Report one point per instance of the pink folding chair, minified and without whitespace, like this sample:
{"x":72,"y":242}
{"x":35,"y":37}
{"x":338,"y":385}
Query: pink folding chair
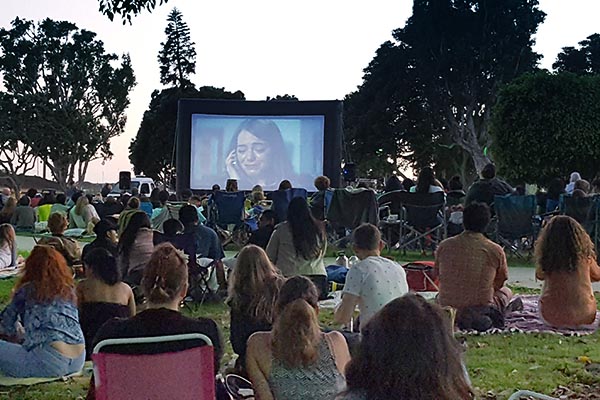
{"x":183,"y":375}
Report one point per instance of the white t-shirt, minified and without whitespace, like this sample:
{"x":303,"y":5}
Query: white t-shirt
{"x":376,"y":281}
{"x":5,"y":256}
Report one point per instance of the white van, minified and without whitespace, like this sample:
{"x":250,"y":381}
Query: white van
{"x":143,"y":184}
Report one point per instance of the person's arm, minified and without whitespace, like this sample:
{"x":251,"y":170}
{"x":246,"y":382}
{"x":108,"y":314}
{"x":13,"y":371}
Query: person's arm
{"x":539,"y":273}
{"x":10,"y":315}
{"x":594,"y":270}
{"x":339,"y":348}
{"x":258,"y":376}
{"x":14,"y":254}
{"x":345,"y":310}
{"x":502,"y":272}
{"x":273,"y":247}
{"x":130,"y":300}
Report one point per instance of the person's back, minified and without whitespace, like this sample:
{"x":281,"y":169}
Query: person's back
{"x":484,"y":190}
{"x":23,"y":218}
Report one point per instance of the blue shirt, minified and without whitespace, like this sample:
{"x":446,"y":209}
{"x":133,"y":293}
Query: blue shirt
{"x":207,"y":243}
{"x":44,"y":323}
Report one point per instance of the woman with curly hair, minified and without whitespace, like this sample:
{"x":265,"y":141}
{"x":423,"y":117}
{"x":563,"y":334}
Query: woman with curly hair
{"x":296,"y":361}
{"x":407,"y":352}
{"x":44,"y":304}
{"x":253,"y":290}
{"x":566,"y":262}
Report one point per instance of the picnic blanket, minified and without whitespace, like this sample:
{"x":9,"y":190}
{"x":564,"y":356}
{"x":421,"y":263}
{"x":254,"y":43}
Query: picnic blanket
{"x":7,"y":273}
{"x":10,"y":381}
{"x":529,"y":320}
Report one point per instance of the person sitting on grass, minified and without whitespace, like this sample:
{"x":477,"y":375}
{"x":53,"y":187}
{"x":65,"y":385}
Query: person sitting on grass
{"x":102,"y":295}
{"x":135,"y":245}
{"x":408,"y":352}
{"x":106,"y":238}
{"x":253,"y":290}
{"x":42,"y":316}
{"x":68,"y":247}
{"x":23,"y":219}
{"x":266,"y":226}
{"x":8,"y":247}
{"x":472,"y":272}
{"x":566,"y":262}
{"x":296,"y":361}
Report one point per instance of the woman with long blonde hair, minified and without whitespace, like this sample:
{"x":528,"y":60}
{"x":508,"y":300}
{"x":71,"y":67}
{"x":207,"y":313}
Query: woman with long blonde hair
{"x":253,"y":292}
{"x":8,"y":246}
{"x":296,"y":360}
{"x":566,"y":262}
{"x":44,"y":303}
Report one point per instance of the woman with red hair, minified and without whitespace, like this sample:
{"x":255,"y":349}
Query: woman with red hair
{"x":42,"y":319}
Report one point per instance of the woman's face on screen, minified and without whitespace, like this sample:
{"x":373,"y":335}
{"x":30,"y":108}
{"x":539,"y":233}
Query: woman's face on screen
{"x":253,"y":154}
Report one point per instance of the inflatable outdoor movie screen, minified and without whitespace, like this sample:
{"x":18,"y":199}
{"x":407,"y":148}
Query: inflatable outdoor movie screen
{"x":257,"y":143}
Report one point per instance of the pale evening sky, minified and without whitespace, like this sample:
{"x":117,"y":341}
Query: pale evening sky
{"x":313,"y":49}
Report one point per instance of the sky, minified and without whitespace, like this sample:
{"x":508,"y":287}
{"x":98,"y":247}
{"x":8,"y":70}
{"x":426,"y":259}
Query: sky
{"x":313,"y":49}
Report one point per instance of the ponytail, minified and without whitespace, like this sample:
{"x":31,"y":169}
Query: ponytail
{"x":165,"y":274}
{"x":296,"y":335}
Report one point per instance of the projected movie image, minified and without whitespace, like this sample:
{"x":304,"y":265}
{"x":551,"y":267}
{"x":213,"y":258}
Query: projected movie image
{"x":256,"y":150}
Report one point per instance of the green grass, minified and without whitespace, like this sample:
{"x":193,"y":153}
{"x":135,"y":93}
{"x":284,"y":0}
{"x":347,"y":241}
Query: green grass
{"x":498,"y":364}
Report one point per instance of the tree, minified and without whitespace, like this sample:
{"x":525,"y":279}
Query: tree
{"x":584,"y":60}
{"x":70,"y":95}
{"x":127,"y":8}
{"x":152,"y":150}
{"x":177,"y":56}
{"x":285,"y":97}
{"x":434,"y":85}
{"x":547,"y":125}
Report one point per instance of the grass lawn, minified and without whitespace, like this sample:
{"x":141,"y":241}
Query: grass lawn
{"x":498,"y":364}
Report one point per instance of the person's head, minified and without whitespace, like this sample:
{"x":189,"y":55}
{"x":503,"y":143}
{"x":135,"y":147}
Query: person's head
{"x":25,"y":201}
{"x":596,"y":186}
{"x":455,"y":183}
{"x":231,"y":185}
{"x":556,"y":187}
{"x":188,"y":216}
{"x":563,"y":245}
{"x":322,"y":183}
{"x":476,"y":217}
{"x":196,"y":201}
{"x":61,"y":198}
{"x":254,"y":285}
{"x":407,"y":351}
{"x":215,"y":188}
{"x":75,"y":196}
{"x":488,"y":171}
{"x":103,"y":266}
{"x":82,"y":203}
{"x":284,"y":185}
{"x":308,"y":234}
{"x":267,"y":218}
{"x":163,"y":196}
{"x":172,"y":227}
{"x":106,"y":229}
{"x":136,"y":220}
{"x":133,"y":203}
{"x":296,"y":332}
{"x":7,"y":235}
{"x":186,"y":194}
{"x":425,"y":180}
{"x":47,"y":271}
{"x":259,"y":150}
{"x":392,"y":183}
{"x":31,"y":192}
{"x":47,"y":199}
{"x":165,"y":279}
{"x":407,"y":184}
{"x":574,"y":177}
{"x":366,"y":241}
{"x":57,"y":223}
{"x":582,"y":185}
{"x":9,"y":206}
{"x":5,"y":191}
{"x":578,"y":194}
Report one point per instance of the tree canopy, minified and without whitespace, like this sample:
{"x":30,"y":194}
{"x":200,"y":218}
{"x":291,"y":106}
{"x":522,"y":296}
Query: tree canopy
{"x":582,"y":60}
{"x":152,"y":150}
{"x":547,"y":125}
{"x":431,"y":89}
{"x":127,"y":8}
{"x":67,"y":95}
{"x":177,"y":56}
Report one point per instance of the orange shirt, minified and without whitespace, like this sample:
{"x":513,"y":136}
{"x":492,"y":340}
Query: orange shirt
{"x":567,"y":298}
{"x":471,"y":268}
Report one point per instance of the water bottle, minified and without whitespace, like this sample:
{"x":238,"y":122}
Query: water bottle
{"x":342,"y":259}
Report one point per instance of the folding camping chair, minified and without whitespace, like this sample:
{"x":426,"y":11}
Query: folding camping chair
{"x":238,"y":387}
{"x":516,"y":223}
{"x":584,"y":210}
{"x":422,"y":276}
{"x":182,"y":375}
{"x":348,"y":209}
{"x":281,"y":201}
{"x":227,"y":215}
{"x":423,"y":219}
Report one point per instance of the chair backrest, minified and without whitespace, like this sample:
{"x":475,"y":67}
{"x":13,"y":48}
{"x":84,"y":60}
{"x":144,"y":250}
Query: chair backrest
{"x":182,"y":375}
{"x":230,"y":207}
{"x":515,"y":215}
{"x":581,"y":209}
{"x":281,"y":201}
{"x":423,"y":210}
{"x":393,"y":200}
{"x":351,"y":207}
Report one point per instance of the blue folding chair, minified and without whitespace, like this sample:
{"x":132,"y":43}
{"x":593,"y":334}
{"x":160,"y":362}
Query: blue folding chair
{"x":228,"y":208}
{"x":516,"y":223}
{"x":281,"y":200}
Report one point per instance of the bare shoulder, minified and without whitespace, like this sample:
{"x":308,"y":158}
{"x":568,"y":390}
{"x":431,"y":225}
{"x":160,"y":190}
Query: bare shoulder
{"x":335,"y":337}
{"x":260,"y":340}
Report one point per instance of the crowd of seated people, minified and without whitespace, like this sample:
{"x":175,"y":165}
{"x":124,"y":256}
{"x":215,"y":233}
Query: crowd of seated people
{"x":406,"y":349}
